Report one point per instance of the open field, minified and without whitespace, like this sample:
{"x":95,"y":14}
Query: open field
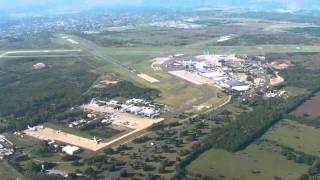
{"x":43,"y":41}
{"x":214,"y":102}
{"x":66,"y":129}
{"x":25,"y":142}
{"x":9,"y":173}
{"x":295,"y":91}
{"x":261,"y":161}
{"x":191,"y":77}
{"x":310,"y":108}
{"x":104,"y":133}
{"x":297,"y":136}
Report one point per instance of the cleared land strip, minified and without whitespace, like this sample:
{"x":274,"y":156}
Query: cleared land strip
{"x":36,"y":52}
{"x":43,"y":56}
{"x":99,"y":53}
{"x":191,"y":77}
{"x":52,"y":134}
{"x":148,"y":78}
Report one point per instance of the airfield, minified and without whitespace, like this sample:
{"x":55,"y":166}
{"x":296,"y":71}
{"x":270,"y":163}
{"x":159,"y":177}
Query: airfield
{"x":183,"y":92}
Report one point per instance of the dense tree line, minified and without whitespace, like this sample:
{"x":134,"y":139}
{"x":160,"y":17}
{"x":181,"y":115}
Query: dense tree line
{"x":32,"y":97}
{"x":247,"y":126}
{"x":313,"y":172}
{"x":126,"y":89}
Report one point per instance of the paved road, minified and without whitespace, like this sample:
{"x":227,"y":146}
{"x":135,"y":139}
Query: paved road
{"x":96,"y":51}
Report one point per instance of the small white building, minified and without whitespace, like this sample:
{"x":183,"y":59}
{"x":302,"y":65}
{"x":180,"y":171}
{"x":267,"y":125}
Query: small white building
{"x":135,"y":110}
{"x":71,"y":150}
{"x":149,"y":112}
{"x":39,"y":66}
{"x":241,"y":88}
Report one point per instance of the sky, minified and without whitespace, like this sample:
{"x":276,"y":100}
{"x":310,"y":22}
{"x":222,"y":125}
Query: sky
{"x":22,"y":6}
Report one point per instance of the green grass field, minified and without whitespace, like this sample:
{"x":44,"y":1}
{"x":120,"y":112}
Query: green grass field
{"x":67,"y":130}
{"x":295,"y":91}
{"x":31,"y":42}
{"x":7,"y":172}
{"x":297,"y":136}
{"x":261,"y":161}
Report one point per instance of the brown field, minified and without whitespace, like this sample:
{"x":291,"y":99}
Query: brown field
{"x":160,"y":60}
{"x":43,"y":133}
{"x":281,"y":64}
{"x":148,"y":78}
{"x":104,"y":83}
{"x":311,"y":107}
{"x":191,"y":77}
{"x":276,"y":81}
{"x":157,"y":62}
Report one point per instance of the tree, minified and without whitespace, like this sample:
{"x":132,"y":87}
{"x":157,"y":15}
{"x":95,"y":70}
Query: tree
{"x":90,"y":172}
{"x":70,"y":158}
{"x":109,"y":151}
{"x":112,"y":168}
{"x":124,"y":173}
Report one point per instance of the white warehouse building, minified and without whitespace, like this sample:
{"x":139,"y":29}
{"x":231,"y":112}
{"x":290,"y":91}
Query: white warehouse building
{"x":71,"y":150}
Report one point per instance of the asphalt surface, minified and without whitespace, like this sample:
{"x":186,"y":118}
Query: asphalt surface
{"x":102,"y":55}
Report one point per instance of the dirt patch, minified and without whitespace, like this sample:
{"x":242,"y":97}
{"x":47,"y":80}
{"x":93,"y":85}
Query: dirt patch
{"x":310,"y":108}
{"x":43,"y":133}
{"x":259,"y":81}
{"x":243,"y":77}
{"x":157,"y":62}
{"x":104,"y":83}
{"x":276,"y":80}
{"x":281,"y":64}
{"x":160,"y":60}
{"x":148,"y":78}
{"x":191,"y":77}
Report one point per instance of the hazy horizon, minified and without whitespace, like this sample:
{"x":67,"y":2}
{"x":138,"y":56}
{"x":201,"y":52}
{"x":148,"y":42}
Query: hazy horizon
{"x":22,"y":6}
